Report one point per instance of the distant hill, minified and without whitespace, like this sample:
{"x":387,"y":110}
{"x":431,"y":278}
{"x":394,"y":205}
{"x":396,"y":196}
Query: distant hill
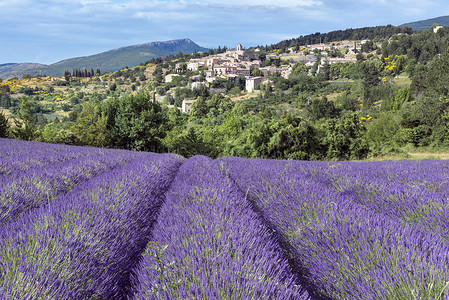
{"x":17,"y":70}
{"x":108,"y":61}
{"x":426,"y":24}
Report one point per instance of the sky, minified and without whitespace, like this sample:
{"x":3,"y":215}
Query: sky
{"x":47,"y":31}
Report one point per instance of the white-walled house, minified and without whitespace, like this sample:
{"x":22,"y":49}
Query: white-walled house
{"x":252,"y":83}
{"x":187,"y":105}
{"x":195,"y":64}
{"x":225,"y":70}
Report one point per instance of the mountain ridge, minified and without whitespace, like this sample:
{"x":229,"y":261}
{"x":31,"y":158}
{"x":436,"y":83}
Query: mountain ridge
{"x":428,"y":23}
{"x":107,"y":61}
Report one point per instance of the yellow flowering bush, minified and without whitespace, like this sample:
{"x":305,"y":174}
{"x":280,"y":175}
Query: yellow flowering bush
{"x":366,"y":118}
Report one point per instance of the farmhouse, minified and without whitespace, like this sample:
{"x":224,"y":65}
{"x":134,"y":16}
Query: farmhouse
{"x":252,"y":83}
{"x":187,"y":105}
{"x":225,"y":70}
{"x":195,"y":64}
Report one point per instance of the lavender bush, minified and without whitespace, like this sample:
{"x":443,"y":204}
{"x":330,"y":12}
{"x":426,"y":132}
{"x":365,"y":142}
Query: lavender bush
{"x":208,"y":243}
{"x":86,"y":242}
{"x":16,"y":156}
{"x":351,"y":249}
{"x":24,"y":191}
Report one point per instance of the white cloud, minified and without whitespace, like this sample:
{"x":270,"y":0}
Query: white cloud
{"x":157,"y":15}
{"x":278,"y":3}
{"x":265,"y":3}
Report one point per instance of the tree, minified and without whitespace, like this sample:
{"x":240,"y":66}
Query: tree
{"x":25,"y":128}
{"x":90,"y":127}
{"x":202,"y":76}
{"x":401,"y":96}
{"x":325,"y":71}
{"x":5,"y":100}
{"x":298,"y":69}
{"x":384,"y":134}
{"x":370,"y":79}
{"x":67,"y":76}
{"x":256,"y":72}
{"x":158,"y":75}
{"x":199,"y":108}
{"x":136,"y":122}
{"x":322,"y":108}
{"x":183,"y":142}
{"x":316,"y":65}
{"x":4,"y":125}
{"x":254,"y":140}
{"x":52,"y":133}
{"x":294,"y":139}
{"x":360,"y":57}
{"x":344,"y":137}
{"x":217,"y":140}
{"x":431,"y":80}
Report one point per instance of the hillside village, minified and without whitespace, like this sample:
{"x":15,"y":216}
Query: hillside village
{"x":238,"y":62}
{"x":255,"y":67}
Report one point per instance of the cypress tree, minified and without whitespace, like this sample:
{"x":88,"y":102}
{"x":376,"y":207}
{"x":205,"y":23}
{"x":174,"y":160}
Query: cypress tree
{"x":4,"y":125}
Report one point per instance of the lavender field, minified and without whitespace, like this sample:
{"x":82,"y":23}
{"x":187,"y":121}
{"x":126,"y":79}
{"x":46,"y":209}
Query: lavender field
{"x":89,"y":223}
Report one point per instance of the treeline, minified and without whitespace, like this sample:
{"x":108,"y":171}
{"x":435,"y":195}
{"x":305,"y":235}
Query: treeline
{"x":216,"y":127}
{"x":379,"y":32}
{"x":420,"y":47}
{"x":82,"y":73}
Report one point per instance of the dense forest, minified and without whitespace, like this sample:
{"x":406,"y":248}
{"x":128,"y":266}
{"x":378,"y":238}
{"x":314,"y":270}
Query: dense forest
{"x":395,"y":96}
{"x":371,"y":33}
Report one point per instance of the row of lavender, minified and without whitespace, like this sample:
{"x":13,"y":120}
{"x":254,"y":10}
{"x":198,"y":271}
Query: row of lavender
{"x":414,"y":193}
{"x":36,"y":173}
{"x":85,"y":243}
{"x":74,"y":223}
{"x":359,"y":230}
{"x":85,"y":238}
{"x":17,"y":156}
{"x":209,"y":243}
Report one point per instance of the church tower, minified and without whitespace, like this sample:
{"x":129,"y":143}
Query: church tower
{"x":239,"y":47}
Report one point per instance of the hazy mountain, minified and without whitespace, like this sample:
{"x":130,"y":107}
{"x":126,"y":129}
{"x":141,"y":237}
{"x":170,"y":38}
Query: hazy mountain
{"x":17,"y":70}
{"x":108,"y":61}
{"x":426,"y":24}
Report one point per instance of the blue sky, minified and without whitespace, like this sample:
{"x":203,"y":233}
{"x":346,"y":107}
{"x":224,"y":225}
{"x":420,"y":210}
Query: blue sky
{"x":47,"y":31}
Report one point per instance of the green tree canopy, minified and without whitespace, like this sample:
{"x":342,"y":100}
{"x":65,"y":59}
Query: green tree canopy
{"x":4,"y":125}
{"x":90,"y":127}
{"x":135,"y":122}
{"x":345,"y":137}
{"x":25,"y":124}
